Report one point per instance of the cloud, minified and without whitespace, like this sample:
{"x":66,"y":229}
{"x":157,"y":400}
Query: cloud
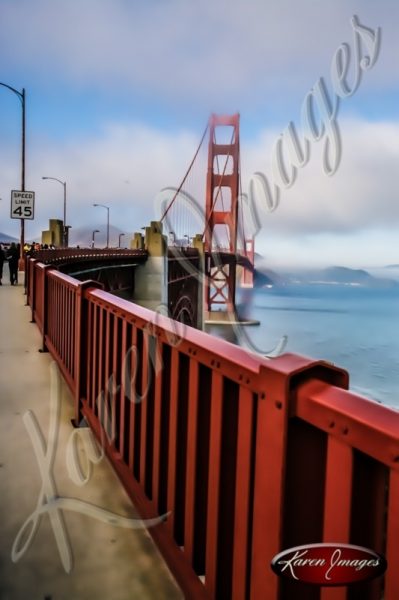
{"x":360,"y":195}
{"x":365,"y":249}
{"x":124,"y":167}
{"x":215,"y":53}
{"x":178,"y":60}
{"x":128,"y":164}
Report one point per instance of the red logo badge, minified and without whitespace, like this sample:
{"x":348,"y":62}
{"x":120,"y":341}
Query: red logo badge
{"x":329,"y":564}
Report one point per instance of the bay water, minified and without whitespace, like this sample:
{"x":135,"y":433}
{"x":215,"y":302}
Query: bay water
{"x":354,"y":327}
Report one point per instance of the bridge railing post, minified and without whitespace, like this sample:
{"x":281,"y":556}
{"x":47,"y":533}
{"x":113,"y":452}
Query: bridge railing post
{"x":44,"y":308}
{"x":31,"y":285}
{"x":26,"y":278}
{"x":270,"y":464}
{"x":81,"y":339}
{"x":273,"y":475}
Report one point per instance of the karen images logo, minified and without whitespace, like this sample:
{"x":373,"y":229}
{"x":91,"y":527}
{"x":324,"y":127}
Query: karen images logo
{"x":329,"y":564}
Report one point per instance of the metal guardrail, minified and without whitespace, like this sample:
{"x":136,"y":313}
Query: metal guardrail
{"x":62,"y":255}
{"x":245,"y":456}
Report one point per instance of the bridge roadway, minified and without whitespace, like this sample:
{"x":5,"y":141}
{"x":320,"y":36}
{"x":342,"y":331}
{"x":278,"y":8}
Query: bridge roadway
{"x":109,"y":562}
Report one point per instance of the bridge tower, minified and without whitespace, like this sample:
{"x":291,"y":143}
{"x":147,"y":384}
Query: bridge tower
{"x":247,"y":275}
{"x":221,"y":211}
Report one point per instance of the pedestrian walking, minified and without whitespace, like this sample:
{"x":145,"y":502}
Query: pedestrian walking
{"x":2,"y":259}
{"x":13,"y":256}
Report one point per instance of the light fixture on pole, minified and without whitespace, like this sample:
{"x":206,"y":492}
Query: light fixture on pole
{"x":21,"y":96}
{"x":119,"y":242}
{"x":107,"y":207}
{"x":92,"y":237}
{"x":64,"y":225}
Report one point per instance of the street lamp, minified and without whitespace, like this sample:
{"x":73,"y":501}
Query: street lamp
{"x":21,"y":96}
{"x":119,"y":243}
{"x":64,"y":225}
{"x":92,"y":237}
{"x":107,"y":207}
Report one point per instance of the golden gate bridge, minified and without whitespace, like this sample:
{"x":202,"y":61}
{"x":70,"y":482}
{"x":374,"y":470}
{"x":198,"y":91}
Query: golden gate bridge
{"x":246,"y":456}
{"x":201,"y":231}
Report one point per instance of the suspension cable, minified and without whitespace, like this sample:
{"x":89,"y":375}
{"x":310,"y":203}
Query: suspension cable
{"x":186,"y":175}
{"x":242,"y":210}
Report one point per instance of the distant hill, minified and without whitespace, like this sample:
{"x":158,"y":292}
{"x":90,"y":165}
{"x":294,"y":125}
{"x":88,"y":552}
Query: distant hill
{"x":261,"y":279}
{"x":264,"y":276}
{"x":7,"y":239}
{"x":82,"y":236}
{"x":336,"y":275}
{"x":346,"y":276}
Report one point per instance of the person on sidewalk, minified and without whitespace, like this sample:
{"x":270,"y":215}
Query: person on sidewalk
{"x":13,"y":256}
{"x":2,"y":259}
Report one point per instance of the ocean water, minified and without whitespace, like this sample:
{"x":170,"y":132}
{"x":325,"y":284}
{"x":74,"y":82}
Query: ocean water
{"x":356,"y":328}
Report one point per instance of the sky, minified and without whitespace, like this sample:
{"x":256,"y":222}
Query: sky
{"x":118,"y":93}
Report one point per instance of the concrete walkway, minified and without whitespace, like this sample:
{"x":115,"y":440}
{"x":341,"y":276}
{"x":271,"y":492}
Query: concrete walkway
{"x":108,"y":562}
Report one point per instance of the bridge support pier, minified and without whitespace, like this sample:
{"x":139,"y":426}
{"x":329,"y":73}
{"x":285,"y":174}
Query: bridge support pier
{"x":151,"y":278}
{"x":170,"y":277}
{"x":225,"y":318}
{"x":53,"y":236}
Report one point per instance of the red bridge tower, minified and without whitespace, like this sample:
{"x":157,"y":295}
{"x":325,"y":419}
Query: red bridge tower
{"x":221,"y":211}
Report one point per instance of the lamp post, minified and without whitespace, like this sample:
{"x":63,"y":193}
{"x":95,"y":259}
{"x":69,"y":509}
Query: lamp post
{"x":21,"y":96}
{"x":64,"y":225}
{"x":119,"y":242}
{"x":92,"y":237}
{"x":107,"y":207}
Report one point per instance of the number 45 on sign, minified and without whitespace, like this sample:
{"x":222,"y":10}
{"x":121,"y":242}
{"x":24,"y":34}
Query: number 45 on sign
{"x":22,"y":204}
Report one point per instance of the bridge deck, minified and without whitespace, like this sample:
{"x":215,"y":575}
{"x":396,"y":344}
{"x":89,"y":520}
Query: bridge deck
{"x":108,"y":561}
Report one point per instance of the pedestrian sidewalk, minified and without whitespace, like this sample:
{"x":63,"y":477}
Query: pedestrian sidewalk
{"x":109,"y":562}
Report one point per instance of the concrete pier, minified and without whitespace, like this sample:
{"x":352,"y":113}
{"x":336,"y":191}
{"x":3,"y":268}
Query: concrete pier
{"x":107,"y":562}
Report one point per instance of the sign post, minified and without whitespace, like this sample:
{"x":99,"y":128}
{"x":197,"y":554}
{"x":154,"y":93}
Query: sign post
{"x":22,"y":204}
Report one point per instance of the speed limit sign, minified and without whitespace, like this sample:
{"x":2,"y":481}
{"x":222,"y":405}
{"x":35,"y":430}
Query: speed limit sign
{"x":22,"y":204}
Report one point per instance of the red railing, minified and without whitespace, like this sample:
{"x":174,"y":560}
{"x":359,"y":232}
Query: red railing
{"x":245,"y":456}
{"x":60,"y":330}
{"x":37,"y":296}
